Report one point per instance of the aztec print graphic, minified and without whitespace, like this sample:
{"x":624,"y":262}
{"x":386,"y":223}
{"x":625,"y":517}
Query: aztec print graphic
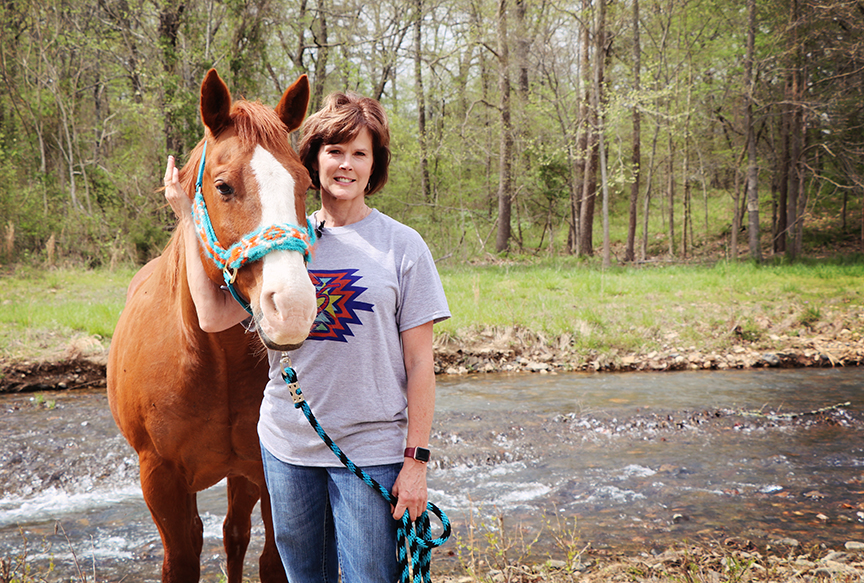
{"x":337,"y":294}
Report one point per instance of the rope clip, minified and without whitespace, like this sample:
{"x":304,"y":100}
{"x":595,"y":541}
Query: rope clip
{"x":290,"y":378}
{"x":296,"y":394}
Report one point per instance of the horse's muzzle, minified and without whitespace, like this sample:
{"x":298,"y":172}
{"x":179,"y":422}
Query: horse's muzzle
{"x":270,"y":343}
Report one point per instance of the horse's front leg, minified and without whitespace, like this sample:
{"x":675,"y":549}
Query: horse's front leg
{"x":236,"y":530}
{"x":175,"y":512}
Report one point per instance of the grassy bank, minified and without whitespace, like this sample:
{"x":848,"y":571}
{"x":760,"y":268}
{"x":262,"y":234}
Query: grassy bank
{"x":633,"y":309}
{"x":48,"y":314}
{"x":576,"y":310}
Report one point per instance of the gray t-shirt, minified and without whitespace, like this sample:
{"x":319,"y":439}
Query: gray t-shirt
{"x":374,"y":279}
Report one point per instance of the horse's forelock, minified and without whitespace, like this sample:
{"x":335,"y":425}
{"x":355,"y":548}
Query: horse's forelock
{"x":256,"y":123}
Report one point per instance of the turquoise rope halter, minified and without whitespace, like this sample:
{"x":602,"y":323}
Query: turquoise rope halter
{"x":252,"y":246}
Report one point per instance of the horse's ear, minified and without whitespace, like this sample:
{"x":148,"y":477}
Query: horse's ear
{"x":292,"y":107}
{"x":215,"y":103}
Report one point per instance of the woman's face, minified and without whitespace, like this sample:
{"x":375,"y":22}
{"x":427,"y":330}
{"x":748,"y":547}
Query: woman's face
{"x":344,"y":169}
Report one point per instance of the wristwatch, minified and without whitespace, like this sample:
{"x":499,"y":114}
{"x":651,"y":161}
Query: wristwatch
{"x":421,"y":454}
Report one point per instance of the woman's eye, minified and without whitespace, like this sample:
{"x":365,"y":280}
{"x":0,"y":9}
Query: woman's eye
{"x":224,"y":189}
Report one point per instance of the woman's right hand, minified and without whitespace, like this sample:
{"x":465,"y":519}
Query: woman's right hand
{"x":174,"y":193}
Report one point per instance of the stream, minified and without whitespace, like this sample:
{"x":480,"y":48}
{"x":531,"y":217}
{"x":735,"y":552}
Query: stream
{"x":634,"y":461}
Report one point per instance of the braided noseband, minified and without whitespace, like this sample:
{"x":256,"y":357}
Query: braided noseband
{"x":251,"y":247}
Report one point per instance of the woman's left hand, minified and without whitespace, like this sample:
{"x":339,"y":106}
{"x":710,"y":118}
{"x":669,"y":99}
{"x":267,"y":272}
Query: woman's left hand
{"x":410,"y":489}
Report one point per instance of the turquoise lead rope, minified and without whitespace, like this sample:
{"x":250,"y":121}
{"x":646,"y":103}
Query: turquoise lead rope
{"x":416,"y":536}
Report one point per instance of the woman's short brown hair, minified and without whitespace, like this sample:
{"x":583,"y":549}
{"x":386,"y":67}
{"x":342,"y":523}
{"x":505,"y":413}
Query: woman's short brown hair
{"x":343,"y":116}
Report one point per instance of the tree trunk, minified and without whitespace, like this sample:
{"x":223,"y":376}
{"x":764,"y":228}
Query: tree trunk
{"x":589,"y":190}
{"x":782,"y":228}
{"x":322,"y":53}
{"x":801,"y":174}
{"x":505,"y":186}
{"x":425,"y":186}
{"x":643,"y":248}
{"x":752,"y":162}
{"x":861,"y":244}
{"x":794,"y":137}
{"x":169,"y":26}
{"x":687,"y":231}
{"x":523,"y":42}
{"x":599,"y":64}
{"x":670,"y":193}
{"x":582,"y":132}
{"x":248,"y":46}
{"x":589,"y":176}
{"x":736,"y":218}
{"x":636,"y":155}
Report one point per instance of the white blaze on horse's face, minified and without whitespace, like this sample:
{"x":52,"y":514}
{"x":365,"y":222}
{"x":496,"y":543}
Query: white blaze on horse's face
{"x":287,"y":301}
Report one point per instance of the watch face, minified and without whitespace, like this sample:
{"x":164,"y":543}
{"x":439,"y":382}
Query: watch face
{"x":421,"y":454}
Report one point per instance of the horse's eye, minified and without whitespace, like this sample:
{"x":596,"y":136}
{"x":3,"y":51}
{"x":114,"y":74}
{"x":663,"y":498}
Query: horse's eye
{"x":224,"y":189}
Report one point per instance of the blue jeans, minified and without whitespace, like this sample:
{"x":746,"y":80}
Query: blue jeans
{"x":327,"y":519}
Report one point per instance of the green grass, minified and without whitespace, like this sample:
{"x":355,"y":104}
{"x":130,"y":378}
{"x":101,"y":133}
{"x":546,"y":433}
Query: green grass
{"x":622,"y":309}
{"x":42,"y":310}
{"x":638,"y":309}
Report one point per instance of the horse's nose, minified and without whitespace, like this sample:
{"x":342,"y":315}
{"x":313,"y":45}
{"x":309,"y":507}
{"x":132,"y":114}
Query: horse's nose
{"x":287,"y":300}
{"x":289,"y":306}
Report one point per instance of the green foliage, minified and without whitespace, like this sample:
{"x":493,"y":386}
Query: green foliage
{"x":39,"y":401}
{"x":22,"y":568}
{"x":90,"y":109}
{"x":811,"y":315}
{"x":564,"y":299}
{"x":494,"y":546}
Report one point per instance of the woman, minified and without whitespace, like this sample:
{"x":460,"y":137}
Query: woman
{"x":366,"y":369}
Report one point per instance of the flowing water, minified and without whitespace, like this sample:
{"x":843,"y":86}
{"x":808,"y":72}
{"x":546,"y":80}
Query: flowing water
{"x":622,"y":461}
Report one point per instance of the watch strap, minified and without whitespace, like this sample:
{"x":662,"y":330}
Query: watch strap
{"x":421,"y":454}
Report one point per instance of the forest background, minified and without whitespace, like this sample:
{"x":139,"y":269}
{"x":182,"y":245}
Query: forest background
{"x":634,"y":130}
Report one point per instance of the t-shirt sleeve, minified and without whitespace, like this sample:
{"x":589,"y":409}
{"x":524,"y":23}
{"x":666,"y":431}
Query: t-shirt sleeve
{"x":421,"y":295}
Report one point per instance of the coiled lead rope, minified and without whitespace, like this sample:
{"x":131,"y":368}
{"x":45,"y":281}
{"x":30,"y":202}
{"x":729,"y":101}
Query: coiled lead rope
{"x":417,"y":535}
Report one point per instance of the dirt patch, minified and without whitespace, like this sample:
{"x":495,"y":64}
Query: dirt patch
{"x":511,"y":350}
{"x":29,"y":377}
{"x":520,"y":350}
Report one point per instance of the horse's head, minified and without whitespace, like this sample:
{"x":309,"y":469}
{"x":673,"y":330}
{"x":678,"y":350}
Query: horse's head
{"x":250,"y":208}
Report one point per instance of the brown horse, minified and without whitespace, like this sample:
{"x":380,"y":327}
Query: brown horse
{"x":186,"y":400}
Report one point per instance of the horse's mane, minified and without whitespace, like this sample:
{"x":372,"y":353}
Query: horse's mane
{"x":173,"y":255}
